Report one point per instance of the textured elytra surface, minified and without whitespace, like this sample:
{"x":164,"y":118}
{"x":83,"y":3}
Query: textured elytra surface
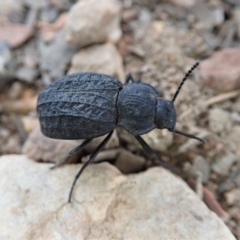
{"x":137,"y":108}
{"x":79,"y":106}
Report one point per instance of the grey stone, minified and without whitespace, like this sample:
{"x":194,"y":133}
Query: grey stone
{"x":128,"y":162}
{"x":218,"y":15}
{"x":27,"y":74}
{"x":145,"y":16}
{"x":202,"y":166}
{"x":223,"y":165}
{"x":203,"y":14}
{"x":55,"y":57}
{"x":49,"y":14}
{"x":235,"y":117}
{"x":232,"y":140}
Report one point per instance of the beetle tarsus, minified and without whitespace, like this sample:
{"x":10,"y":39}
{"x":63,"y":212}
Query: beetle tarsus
{"x":92,"y":157}
{"x":129,"y":78}
{"x":73,"y":152}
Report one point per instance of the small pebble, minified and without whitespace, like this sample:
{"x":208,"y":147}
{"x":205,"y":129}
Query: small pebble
{"x":202,"y":166}
{"x":219,"y":120}
{"x":233,"y":197}
{"x":223,"y":165}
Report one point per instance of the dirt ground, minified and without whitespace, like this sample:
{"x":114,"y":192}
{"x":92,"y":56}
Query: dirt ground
{"x":161,"y":40}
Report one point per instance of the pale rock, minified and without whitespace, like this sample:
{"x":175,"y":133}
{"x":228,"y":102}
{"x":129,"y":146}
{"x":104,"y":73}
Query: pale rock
{"x":219,"y":120}
{"x":104,"y":155}
{"x":5,"y":57}
{"x":129,"y":14}
{"x":29,"y":123}
{"x":145,"y":16}
{"x":102,"y":58}
{"x":93,"y":21}
{"x":233,"y":197}
{"x":159,"y":140}
{"x":9,"y":8}
{"x":184,"y":3}
{"x":41,"y":148}
{"x":232,"y":181}
{"x":105,"y":205}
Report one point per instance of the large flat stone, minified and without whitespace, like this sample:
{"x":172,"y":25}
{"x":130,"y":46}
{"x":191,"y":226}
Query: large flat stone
{"x":105,"y":205}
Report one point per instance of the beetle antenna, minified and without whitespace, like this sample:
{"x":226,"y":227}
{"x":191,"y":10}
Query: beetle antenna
{"x":184,"y":79}
{"x":187,"y":135}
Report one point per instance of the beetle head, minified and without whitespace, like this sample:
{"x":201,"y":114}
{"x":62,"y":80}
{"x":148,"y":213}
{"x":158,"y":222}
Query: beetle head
{"x":165,"y":114}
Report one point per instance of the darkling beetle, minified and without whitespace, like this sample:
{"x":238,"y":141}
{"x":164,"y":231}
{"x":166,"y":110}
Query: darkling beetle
{"x":88,"y":105}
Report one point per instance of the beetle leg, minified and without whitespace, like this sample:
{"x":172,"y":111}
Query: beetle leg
{"x":139,"y":76}
{"x":92,"y":157}
{"x":129,"y":78}
{"x":147,"y":148}
{"x":73,"y":152}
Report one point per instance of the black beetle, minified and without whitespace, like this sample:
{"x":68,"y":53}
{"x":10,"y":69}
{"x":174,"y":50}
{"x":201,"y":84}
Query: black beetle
{"x":88,"y":105}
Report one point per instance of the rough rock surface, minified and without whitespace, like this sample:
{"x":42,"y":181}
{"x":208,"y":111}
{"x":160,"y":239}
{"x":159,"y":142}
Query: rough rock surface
{"x":103,"y":58}
{"x":91,"y":21}
{"x":105,"y":204}
{"x":41,"y":148}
